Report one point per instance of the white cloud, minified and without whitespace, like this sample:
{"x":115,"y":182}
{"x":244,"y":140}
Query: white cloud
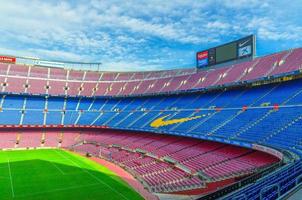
{"x":55,"y":54}
{"x":243,"y":4}
{"x":128,"y":66}
{"x":218,"y":25}
{"x":137,"y":32}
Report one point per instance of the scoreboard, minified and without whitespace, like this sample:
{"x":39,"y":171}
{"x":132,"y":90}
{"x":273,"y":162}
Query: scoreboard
{"x":239,"y":49}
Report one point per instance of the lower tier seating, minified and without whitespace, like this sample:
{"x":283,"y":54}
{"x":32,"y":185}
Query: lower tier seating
{"x":163,"y":163}
{"x":194,"y":162}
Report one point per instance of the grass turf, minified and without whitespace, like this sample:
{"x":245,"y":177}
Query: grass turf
{"x":53,"y":174}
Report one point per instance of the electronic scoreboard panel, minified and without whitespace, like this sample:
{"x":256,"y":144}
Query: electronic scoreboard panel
{"x":242,"y":48}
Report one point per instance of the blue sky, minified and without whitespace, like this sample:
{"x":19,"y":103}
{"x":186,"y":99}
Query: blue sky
{"x":141,"y":34}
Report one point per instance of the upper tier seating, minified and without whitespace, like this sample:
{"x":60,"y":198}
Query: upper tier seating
{"x":56,"y":81}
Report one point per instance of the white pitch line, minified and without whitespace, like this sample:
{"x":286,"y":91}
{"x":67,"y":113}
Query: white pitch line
{"x":11,"y":179}
{"x":58,"y":168}
{"x":99,"y":180}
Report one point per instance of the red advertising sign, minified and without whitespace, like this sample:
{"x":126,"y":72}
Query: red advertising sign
{"x":7,"y":59}
{"x":202,"y":55}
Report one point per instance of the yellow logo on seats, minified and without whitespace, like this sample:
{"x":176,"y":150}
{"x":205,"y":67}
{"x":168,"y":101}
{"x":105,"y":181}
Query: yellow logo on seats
{"x":160,"y":121}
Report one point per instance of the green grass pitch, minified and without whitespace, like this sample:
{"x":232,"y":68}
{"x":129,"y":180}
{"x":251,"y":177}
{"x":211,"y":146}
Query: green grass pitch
{"x":53,"y":174}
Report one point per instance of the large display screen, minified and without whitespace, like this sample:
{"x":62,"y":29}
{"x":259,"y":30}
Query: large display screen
{"x":242,"y":48}
{"x":226,"y":52}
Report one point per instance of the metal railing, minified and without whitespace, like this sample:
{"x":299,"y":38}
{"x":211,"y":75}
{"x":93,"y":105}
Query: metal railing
{"x":59,"y":64}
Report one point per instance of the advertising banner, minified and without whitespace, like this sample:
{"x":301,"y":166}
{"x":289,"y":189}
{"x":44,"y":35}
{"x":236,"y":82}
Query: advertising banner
{"x":202,"y":59}
{"x":7,"y":59}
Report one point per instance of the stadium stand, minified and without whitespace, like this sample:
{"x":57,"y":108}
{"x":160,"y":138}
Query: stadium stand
{"x":212,"y":130}
{"x":57,"y":81}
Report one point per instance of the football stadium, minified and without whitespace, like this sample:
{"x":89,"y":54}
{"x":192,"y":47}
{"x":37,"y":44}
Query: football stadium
{"x":230,"y":132}
{"x":228,"y":128}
